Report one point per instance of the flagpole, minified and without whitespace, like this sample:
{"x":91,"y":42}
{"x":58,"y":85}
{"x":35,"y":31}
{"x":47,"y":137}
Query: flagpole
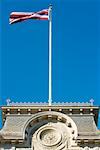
{"x":50,"y":55}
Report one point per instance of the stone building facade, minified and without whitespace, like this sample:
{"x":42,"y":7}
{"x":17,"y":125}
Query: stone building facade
{"x":62,"y":126}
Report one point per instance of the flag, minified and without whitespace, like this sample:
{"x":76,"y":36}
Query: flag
{"x":21,"y":16}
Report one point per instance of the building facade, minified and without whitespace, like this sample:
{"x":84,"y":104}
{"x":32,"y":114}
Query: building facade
{"x":62,"y":126}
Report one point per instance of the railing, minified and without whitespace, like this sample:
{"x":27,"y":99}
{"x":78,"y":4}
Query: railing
{"x":9,"y":103}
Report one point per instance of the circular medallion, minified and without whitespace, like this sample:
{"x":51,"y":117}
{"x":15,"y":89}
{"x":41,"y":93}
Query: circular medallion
{"x":49,"y":136}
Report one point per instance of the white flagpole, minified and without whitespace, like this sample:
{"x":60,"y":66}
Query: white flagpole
{"x":50,"y":55}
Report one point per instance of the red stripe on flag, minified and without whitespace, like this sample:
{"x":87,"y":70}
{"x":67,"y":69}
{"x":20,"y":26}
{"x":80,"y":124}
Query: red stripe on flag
{"x":21,"y":16}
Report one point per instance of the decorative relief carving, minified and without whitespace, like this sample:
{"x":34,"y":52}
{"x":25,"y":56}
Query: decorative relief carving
{"x":55,"y":134}
{"x":52,"y":136}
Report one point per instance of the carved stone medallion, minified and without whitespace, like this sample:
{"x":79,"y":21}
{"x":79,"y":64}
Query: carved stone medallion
{"x":49,"y":136}
{"x":54,"y":135}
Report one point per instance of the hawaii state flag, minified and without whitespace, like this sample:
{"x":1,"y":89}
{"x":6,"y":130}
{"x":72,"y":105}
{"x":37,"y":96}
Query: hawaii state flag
{"x":22,"y":16}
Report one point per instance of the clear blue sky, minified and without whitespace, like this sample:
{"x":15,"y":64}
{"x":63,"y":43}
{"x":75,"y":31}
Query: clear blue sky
{"x":76,"y":52}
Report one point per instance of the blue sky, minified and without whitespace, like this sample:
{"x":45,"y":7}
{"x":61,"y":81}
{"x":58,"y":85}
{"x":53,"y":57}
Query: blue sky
{"x":76,"y":52}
